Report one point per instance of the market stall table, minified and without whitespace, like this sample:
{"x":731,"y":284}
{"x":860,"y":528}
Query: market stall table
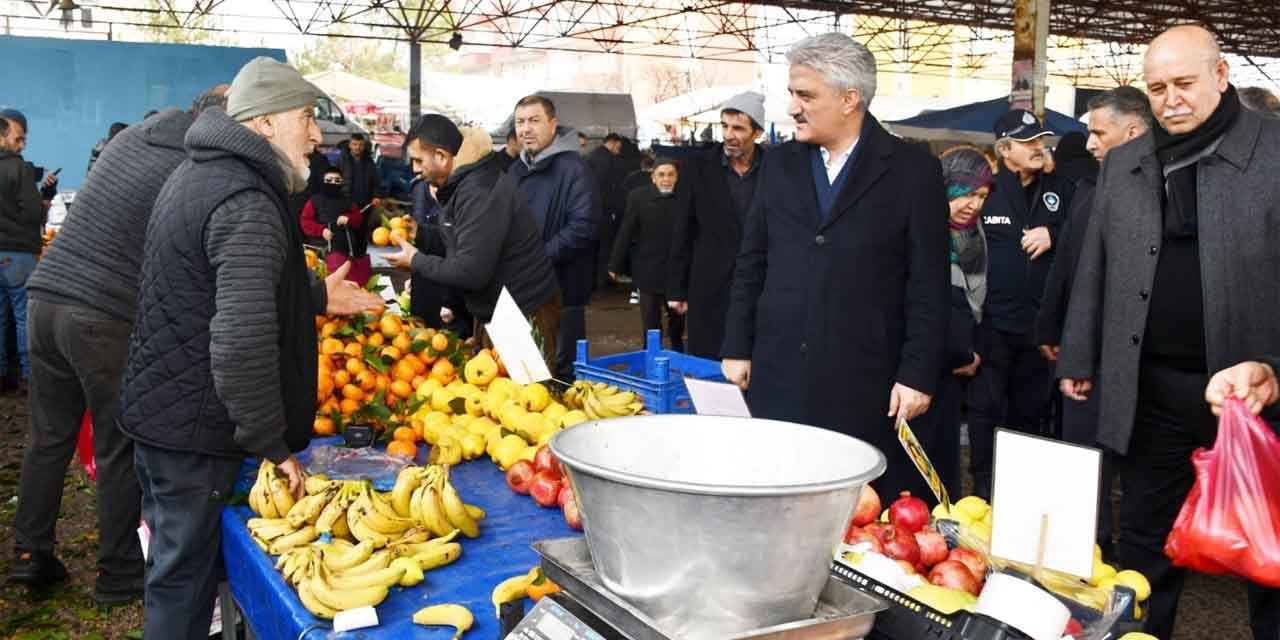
{"x":513,"y":522}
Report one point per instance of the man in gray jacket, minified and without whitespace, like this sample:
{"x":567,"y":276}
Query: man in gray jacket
{"x":1179,"y":277}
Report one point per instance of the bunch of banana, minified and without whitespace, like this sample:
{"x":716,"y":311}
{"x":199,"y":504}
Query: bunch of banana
{"x":600,"y":400}
{"x":333,"y":517}
{"x":435,"y":504}
{"x":324,"y":592}
{"x":431,"y":554}
{"x":409,"y":479}
{"x":265,"y":530}
{"x":307,"y":510}
{"x":447,"y":615}
{"x":371,"y":519}
{"x":270,"y":497}
{"x":295,"y":564}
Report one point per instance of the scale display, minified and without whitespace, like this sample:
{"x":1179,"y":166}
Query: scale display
{"x":550,"y":621}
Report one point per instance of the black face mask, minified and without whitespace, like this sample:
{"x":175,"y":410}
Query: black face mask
{"x":332,"y":190}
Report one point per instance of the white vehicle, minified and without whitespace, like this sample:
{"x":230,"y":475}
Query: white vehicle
{"x":335,"y":126}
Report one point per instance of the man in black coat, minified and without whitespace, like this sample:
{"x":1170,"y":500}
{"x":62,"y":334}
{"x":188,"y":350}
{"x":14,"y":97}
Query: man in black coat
{"x":1021,"y":221}
{"x":359,"y":172}
{"x":715,"y":192}
{"x":841,"y":298}
{"x":643,"y":245}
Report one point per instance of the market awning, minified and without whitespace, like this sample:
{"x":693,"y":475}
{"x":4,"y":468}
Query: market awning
{"x":973,"y":123}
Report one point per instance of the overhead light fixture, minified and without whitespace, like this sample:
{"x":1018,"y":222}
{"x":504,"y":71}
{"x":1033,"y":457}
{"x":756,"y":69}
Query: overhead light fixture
{"x":455,"y":42}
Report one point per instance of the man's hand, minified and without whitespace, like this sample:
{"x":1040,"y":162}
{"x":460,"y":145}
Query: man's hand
{"x":1252,"y":382}
{"x":613,"y":276}
{"x":1050,"y":352}
{"x":907,"y":403}
{"x":345,"y":298}
{"x":1036,"y":241}
{"x":50,"y":180}
{"x":970,"y":370}
{"x":343,"y":220}
{"x":446,"y":315}
{"x":679,"y":306}
{"x":297,"y":477}
{"x":1077,"y":390}
{"x":737,"y":372}
{"x":327,"y":234}
{"x":376,"y":202}
{"x":404,"y":259}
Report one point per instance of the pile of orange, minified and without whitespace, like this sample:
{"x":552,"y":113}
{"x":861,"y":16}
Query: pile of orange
{"x":370,"y":365}
{"x":391,"y":228}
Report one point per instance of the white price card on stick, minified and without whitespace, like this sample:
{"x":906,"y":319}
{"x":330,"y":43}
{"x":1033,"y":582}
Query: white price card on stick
{"x":717,"y":398}
{"x":512,"y":336}
{"x":1037,"y":484}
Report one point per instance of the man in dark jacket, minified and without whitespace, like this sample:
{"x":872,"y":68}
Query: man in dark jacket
{"x":486,"y":239}
{"x":605,"y":162}
{"x":1178,"y":278}
{"x":359,"y":171}
{"x":222,"y":359}
{"x":1021,"y":221}
{"x":22,"y":216}
{"x":82,"y":305}
{"x":562,"y":196}
{"x":715,"y":192}
{"x":840,"y":300}
{"x":643,"y":246}
{"x":1115,"y":117}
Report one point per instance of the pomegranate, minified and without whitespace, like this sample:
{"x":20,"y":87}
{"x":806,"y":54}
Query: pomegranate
{"x":545,"y":488}
{"x":898,"y":543}
{"x":953,"y":574}
{"x":933,"y":547}
{"x":565,"y":495}
{"x":519,"y":476}
{"x":1073,"y":628}
{"x":972,"y":559}
{"x":909,"y":512}
{"x":572,"y":516}
{"x":857,"y":535}
{"x":868,"y":507}
{"x":544,"y":460}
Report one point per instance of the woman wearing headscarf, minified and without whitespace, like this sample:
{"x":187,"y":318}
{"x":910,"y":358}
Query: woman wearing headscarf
{"x":969,"y":181}
{"x":330,"y":215}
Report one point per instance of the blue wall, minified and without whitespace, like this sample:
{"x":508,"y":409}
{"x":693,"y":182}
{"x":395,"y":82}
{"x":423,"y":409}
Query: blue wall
{"x":72,"y":90}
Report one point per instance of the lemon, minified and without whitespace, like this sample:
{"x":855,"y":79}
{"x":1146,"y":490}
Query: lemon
{"x":1101,"y":571}
{"x":427,"y":388}
{"x":509,"y":450}
{"x":1136,"y":581}
{"x":554,"y":412}
{"x":981,"y":530}
{"x":535,"y":397}
{"x":973,"y":506}
{"x":480,"y":426}
{"x":472,"y":446}
{"x":941,"y":513}
{"x":440,"y":400}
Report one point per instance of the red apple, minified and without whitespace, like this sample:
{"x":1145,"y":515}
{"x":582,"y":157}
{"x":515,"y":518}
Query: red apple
{"x":545,"y":488}
{"x":565,"y":495}
{"x":519,"y":476}
{"x":972,"y":559}
{"x":899,"y":543}
{"x":868,"y":508}
{"x":572,"y":516}
{"x":858,"y":535}
{"x":933,"y":547}
{"x":909,"y":513}
{"x":953,"y":574}
{"x":544,"y":460}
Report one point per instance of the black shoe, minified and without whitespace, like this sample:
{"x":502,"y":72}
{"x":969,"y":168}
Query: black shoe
{"x":108,"y":591}
{"x":37,"y":571}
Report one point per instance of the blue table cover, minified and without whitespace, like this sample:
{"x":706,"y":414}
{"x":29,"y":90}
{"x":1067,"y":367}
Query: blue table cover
{"x":513,"y":522}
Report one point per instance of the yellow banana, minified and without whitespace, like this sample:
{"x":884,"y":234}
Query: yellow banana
{"x":381,"y":578}
{"x":340,"y":528}
{"x":317,"y":484}
{"x":361,"y":530}
{"x":280,"y":496}
{"x":445,"y":615}
{"x":264,"y":501}
{"x":407,"y":480}
{"x":378,"y":521}
{"x":415,"y":506}
{"x":412,"y":572}
{"x":595,"y":410}
{"x":456,"y":511}
{"x":309,"y":601}
{"x":414,"y":535}
{"x":307,"y":510}
{"x":342,"y":600}
{"x":434,"y":512}
{"x":300,"y":537}
{"x":414,"y":548}
{"x":338,"y":559}
{"x":379,"y":560}
{"x":262,"y":544}
{"x":439,"y":557}
{"x":254,"y":505}
{"x":475,"y":512}
{"x":509,"y":590}
{"x":382,"y":505}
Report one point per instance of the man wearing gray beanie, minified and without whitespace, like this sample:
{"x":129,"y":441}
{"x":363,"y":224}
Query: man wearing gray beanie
{"x":222,"y":362}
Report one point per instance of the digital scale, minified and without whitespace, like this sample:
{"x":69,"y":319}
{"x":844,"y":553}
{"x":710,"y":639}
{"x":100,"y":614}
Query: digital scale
{"x":586,"y":610}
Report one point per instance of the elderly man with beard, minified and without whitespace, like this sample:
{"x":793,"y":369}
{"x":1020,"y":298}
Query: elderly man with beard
{"x":1179,"y":277}
{"x":222,"y":360}
{"x":841,"y":296}
{"x":713,"y":196}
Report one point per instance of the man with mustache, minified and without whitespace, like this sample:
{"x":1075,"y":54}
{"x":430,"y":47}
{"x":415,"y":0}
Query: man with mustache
{"x":1021,"y":220}
{"x":1179,"y":277}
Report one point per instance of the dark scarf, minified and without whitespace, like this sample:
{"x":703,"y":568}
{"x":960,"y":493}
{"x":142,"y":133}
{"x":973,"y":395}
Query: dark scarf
{"x":329,"y":206}
{"x":1180,"y":190}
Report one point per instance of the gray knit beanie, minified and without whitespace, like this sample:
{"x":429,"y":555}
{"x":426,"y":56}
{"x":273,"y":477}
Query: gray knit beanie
{"x":750,"y":103}
{"x":265,"y":86}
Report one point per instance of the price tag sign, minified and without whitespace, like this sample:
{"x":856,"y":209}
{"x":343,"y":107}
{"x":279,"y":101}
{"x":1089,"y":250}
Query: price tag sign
{"x":512,"y":336}
{"x":717,"y":398}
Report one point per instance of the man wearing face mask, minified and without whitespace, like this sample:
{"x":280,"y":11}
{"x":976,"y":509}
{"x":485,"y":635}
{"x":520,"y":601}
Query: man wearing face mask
{"x":643,"y":247}
{"x":1021,"y":221}
{"x":331,"y":215}
{"x":222,"y":360}
{"x":1178,"y":278}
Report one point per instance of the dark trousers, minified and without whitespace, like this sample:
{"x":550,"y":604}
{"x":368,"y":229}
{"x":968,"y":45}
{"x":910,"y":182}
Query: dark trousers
{"x":573,"y":327}
{"x":183,"y":495}
{"x":652,"y":307}
{"x":938,"y":431}
{"x":1172,"y":421}
{"x":1080,"y":426}
{"x":77,"y":357}
{"x":1011,"y":391}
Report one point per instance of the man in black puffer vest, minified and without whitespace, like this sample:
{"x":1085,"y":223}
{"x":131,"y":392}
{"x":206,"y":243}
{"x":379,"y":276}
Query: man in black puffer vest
{"x":222,"y":361}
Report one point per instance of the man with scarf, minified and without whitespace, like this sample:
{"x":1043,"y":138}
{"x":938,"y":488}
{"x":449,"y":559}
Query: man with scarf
{"x":330,"y":214}
{"x":1179,"y":277}
{"x":642,"y":249}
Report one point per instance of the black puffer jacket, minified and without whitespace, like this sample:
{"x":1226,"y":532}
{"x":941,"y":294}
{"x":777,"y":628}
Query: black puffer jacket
{"x":21,"y":211}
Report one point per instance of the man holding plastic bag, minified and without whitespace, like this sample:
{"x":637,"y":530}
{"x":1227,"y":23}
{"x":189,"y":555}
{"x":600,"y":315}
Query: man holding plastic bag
{"x":1178,"y":278}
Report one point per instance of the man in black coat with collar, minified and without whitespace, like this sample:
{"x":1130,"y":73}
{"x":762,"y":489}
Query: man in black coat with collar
{"x":714,"y":194}
{"x":841,"y":295}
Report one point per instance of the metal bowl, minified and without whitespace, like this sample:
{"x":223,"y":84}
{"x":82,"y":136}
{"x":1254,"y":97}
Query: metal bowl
{"x":714,"y":525}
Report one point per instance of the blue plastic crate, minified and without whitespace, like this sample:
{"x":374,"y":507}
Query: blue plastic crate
{"x":655,"y":374}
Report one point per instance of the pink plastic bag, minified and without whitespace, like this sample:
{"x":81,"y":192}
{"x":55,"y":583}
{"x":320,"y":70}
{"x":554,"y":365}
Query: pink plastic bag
{"x":1230,"y":522}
